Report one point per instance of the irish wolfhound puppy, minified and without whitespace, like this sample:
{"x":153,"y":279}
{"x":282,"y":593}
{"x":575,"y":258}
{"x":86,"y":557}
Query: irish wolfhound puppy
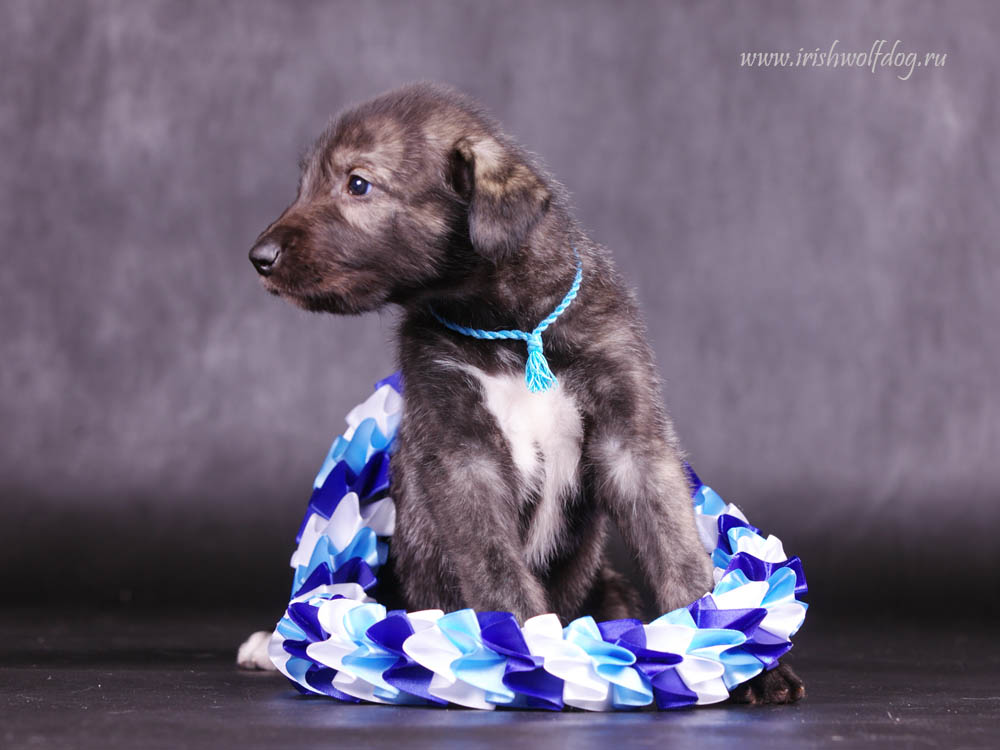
{"x":503,"y":493}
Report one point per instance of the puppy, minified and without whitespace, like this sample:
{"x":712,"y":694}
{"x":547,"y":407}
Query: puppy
{"x":504,"y":495}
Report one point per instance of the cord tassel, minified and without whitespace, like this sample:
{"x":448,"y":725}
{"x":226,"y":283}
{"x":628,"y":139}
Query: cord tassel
{"x":537,"y":374}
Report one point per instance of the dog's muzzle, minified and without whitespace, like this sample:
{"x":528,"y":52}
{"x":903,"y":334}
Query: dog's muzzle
{"x":264,"y":257}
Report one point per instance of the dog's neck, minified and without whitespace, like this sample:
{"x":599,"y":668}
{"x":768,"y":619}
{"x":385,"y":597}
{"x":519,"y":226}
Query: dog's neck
{"x":514,"y":293}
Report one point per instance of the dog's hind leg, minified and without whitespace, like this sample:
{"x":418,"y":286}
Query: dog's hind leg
{"x":253,"y":652}
{"x":614,"y":597}
{"x":779,"y":685}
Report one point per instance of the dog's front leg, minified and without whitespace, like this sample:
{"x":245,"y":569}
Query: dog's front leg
{"x":640,"y":481}
{"x":636,"y":474}
{"x":458,"y":538}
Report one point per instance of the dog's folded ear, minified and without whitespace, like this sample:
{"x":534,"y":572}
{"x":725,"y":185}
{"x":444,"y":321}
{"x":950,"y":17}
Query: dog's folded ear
{"x":505,"y":196}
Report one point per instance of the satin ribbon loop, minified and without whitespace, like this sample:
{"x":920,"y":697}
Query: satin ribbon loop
{"x":335,"y":640}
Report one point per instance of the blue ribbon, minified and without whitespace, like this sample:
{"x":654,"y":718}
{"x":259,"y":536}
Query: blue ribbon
{"x":494,"y":655}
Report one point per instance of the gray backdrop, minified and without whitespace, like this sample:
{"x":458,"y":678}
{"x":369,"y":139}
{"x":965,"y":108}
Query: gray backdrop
{"x":815,"y":250}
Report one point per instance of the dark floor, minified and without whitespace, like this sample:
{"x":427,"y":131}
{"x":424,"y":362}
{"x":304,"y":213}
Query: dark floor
{"x":145,"y":681}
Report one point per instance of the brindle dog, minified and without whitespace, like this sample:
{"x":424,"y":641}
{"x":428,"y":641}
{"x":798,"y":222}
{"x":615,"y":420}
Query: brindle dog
{"x":417,"y":199}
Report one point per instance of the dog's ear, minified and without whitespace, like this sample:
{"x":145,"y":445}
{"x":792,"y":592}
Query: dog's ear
{"x":506,"y":198}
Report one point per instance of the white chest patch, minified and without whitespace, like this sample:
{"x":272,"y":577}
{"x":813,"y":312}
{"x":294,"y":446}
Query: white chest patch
{"x":545,"y":434}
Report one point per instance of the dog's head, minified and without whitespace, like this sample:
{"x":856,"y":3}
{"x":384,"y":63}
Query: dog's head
{"x":401,"y":195}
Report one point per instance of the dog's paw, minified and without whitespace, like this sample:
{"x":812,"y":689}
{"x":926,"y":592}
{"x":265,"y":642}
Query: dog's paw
{"x":253,"y":652}
{"x":780,"y":685}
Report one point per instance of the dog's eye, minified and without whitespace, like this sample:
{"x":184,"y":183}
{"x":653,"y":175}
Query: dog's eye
{"x":358,"y":185}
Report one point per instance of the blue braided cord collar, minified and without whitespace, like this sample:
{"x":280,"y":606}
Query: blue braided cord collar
{"x":537,"y":374}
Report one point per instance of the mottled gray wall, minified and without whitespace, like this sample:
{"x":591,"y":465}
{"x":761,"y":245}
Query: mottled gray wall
{"x":815,"y":249}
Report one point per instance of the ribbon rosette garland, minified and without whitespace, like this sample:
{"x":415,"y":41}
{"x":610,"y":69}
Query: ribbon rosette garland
{"x":336,"y":640}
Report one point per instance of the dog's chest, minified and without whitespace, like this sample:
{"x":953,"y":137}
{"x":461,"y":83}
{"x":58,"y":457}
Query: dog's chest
{"x":544,"y":433}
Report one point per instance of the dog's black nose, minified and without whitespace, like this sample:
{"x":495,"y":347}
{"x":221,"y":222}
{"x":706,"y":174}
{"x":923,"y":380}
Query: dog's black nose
{"x":264,"y":256}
